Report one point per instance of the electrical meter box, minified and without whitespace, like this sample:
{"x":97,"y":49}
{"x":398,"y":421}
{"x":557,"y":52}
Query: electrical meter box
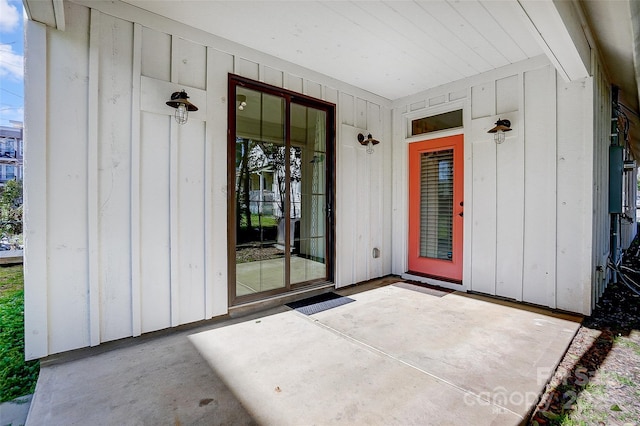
{"x":616,"y":172}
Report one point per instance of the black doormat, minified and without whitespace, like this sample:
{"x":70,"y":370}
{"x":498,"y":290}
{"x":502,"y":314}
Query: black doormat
{"x":322,"y":302}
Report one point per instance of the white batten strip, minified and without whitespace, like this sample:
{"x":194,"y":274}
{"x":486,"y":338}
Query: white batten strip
{"x":208,"y":190}
{"x":93,"y":232}
{"x":136,"y":307}
{"x":173,"y":204}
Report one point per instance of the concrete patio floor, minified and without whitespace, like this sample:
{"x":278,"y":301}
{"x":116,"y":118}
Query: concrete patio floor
{"x":398,"y":354}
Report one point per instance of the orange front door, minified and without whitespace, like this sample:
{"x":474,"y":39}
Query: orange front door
{"x":436,"y":208}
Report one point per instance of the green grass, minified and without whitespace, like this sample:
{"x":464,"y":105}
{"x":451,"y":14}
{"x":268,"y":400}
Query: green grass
{"x":266,"y":221}
{"x":623,"y":380}
{"x":622,"y":341}
{"x":17,"y":377}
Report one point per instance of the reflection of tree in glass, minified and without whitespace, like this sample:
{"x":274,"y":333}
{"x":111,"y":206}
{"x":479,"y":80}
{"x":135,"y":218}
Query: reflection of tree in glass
{"x":243,"y":148}
{"x":257,"y":157}
{"x":272,"y":157}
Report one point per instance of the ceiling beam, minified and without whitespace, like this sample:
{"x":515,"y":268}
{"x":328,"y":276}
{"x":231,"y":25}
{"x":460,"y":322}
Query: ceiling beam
{"x":557,"y":26}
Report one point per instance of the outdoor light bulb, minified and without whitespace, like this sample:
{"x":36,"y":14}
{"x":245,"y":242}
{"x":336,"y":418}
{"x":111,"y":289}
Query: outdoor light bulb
{"x":370,"y":148}
{"x":499,"y":136}
{"x":182,"y":114}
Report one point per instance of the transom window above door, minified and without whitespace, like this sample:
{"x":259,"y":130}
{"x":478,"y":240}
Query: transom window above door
{"x":435,"y":123}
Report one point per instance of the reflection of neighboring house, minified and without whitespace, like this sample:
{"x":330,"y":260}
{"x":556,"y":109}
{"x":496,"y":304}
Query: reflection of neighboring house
{"x":261,"y":185}
{"x":262,"y":202}
{"x":11,"y":151}
{"x":266,"y":202}
{"x":265,"y":186}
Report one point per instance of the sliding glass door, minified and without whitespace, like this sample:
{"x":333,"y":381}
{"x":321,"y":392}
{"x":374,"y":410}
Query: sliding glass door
{"x":280,"y":191}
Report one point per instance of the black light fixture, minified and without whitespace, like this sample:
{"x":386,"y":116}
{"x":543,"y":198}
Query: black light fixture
{"x":369,"y":142}
{"x":180,"y":101}
{"x":498,"y":131}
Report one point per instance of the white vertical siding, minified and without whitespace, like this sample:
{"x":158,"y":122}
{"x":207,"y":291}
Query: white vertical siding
{"x":362,"y":180}
{"x":136,"y":204}
{"x":155,"y":259}
{"x":483,"y":256}
{"x":539,"y":254}
{"x":189,"y":220}
{"x":601,"y":218}
{"x":113,"y":118}
{"x":219,"y":65}
{"x":574,"y":196}
{"x":35,"y":202}
{"x":66,"y":205}
{"x":510,"y":196}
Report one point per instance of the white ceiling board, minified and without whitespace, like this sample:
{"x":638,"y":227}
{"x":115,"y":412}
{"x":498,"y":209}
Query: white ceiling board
{"x":489,"y":29}
{"x":503,"y":13}
{"x":462,"y":29}
{"x":391,"y":48}
{"x":429,"y":33}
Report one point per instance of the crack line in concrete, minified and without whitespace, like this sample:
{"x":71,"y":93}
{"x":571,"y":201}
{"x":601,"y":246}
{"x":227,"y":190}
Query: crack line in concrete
{"x":388,"y":355}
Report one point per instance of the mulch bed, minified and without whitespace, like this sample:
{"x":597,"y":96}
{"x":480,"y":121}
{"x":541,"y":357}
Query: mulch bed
{"x":253,"y":254}
{"x":598,"y":380}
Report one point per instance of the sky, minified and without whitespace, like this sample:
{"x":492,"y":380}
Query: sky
{"x":11,"y":62}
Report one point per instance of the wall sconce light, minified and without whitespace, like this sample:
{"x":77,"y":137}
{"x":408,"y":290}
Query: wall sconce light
{"x":498,"y":131}
{"x":180,"y":101}
{"x":242,"y":102}
{"x":369,"y":142}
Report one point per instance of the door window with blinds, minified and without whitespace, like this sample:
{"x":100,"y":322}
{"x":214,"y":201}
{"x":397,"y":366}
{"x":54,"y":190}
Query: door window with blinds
{"x":436,"y":204}
{"x":436,"y":208}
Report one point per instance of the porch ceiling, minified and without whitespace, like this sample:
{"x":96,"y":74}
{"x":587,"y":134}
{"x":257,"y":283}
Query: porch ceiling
{"x":390,"y":48}
{"x":397,"y":48}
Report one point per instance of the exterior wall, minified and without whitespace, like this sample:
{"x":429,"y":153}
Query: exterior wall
{"x":601,"y":217}
{"x":125,"y":211}
{"x":528,"y":232}
{"x":628,"y":221}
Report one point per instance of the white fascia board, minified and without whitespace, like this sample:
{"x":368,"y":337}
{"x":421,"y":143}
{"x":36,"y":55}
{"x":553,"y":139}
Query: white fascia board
{"x":58,"y":11}
{"x":557,"y":27}
{"x":48,"y":12}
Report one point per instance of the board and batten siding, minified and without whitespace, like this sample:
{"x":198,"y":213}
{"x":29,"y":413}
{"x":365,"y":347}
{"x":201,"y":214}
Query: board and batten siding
{"x":528,"y":201}
{"x":125,"y":210}
{"x":601,"y":218}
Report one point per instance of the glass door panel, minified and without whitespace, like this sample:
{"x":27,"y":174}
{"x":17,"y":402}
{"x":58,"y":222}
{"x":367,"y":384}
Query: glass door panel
{"x":260,"y":172}
{"x":308,"y":175}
